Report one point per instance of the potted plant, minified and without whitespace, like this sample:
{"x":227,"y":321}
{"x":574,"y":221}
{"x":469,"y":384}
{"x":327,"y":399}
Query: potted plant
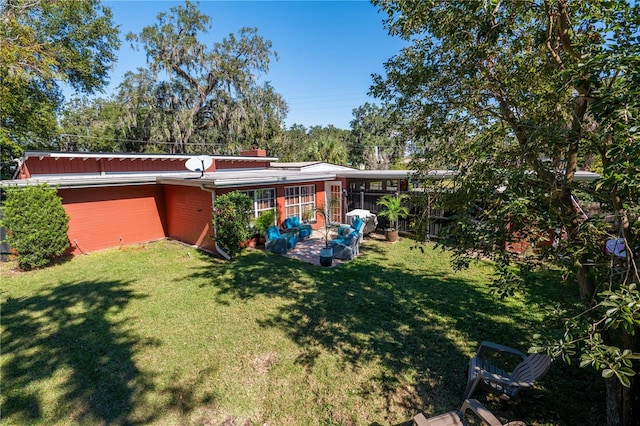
{"x":326,"y":253}
{"x":262,"y":222}
{"x":391,"y":207}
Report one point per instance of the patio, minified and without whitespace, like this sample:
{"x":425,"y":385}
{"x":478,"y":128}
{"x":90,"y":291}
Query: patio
{"x":308,"y":250}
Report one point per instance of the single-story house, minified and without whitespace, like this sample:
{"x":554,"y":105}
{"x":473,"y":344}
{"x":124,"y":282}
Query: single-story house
{"x":117,"y":199}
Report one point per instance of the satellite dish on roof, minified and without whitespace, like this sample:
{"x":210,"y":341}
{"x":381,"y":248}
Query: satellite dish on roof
{"x":199,"y":164}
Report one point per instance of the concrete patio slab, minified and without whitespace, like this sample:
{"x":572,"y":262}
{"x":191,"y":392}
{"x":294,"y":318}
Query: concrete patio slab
{"x":308,"y":250}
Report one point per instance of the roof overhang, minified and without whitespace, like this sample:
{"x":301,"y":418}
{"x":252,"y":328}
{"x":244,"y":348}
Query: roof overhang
{"x":256,"y":178}
{"x":89,"y":181}
{"x":127,"y":156}
{"x":394,"y":174}
{"x":582,"y":176}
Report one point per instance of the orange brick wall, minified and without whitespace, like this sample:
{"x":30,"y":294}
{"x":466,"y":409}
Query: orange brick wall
{"x":280,"y":208}
{"x":108,"y":217}
{"x":189,"y":215}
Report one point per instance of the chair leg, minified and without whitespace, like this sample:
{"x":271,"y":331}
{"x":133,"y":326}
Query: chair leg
{"x":472,"y":384}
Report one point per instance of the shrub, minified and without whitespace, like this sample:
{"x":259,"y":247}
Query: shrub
{"x":36,"y":225}
{"x":264,"y":221}
{"x":232,"y":218}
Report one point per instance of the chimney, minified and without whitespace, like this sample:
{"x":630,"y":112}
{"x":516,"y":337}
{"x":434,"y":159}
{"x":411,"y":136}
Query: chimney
{"x":254,"y":153}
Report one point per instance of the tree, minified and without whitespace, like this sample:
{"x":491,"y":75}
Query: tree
{"x":9,"y":152}
{"x":290,"y":145}
{"x":37,"y":225}
{"x":377,"y":142}
{"x":327,"y":144}
{"x":210,"y":96}
{"x":92,"y":125}
{"x":516,"y":96}
{"x":42,"y":44}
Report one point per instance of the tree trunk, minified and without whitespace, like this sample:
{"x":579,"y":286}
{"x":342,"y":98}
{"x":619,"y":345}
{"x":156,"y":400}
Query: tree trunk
{"x":569,"y":215}
{"x":613,"y":387}
{"x":629,"y":398}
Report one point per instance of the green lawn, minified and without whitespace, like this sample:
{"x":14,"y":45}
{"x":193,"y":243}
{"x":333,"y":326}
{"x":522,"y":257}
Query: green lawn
{"x":164,"y":334}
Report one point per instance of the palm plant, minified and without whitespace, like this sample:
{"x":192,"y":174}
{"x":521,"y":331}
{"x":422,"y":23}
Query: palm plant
{"x":264,"y":221}
{"x":325,"y":212}
{"x":392,"y":208}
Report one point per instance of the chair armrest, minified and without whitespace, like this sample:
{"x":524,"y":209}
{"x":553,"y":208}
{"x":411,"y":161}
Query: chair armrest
{"x":501,"y":380}
{"x":342,"y":227}
{"x":481,"y":411}
{"x":496,"y":347}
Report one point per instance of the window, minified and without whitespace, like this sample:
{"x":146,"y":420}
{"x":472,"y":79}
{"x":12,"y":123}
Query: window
{"x":263,"y":200}
{"x":357,"y":186}
{"x":375,"y":185}
{"x":298,"y":200}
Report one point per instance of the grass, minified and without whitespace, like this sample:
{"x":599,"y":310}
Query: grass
{"x":164,"y":334}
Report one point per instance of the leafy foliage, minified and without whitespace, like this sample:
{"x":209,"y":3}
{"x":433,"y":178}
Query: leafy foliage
{"x":93,"y":125}
{"x":516,"y":97}
{"x":327,"y":144}
{"x":316,"y":143}
{"x":376,"y":141}
{"x":392,"y":208}
{"x":9,"y":153}
{"x":232,"y":219}
{"x":37,"y":225}
{"x":210,"y":96}
{"x":44,"y":43}
{"x":264,"y":221}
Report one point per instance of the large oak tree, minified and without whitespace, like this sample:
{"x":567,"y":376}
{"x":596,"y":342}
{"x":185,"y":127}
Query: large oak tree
{"x":199,"y":96}
{"x":516,"y":96}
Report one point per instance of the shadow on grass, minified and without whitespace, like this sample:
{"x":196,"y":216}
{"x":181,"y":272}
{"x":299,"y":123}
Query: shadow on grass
{"x":69,"y":337}
{"x":413,"y":323}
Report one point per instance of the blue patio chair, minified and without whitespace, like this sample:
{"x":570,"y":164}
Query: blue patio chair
{"x":278,"y":243}
{"x":292,"y":224}
{"x":346,"y":245}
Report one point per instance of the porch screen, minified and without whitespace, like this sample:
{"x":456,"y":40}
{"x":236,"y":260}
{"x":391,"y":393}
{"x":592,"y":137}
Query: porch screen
{"x":298,"y":200}
{"x":263,"y":200}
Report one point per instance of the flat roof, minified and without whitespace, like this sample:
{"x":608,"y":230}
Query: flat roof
{"x":231,"y":179}
{"x":219,"y":179}
{"x":95,"y":180}
{"x":393,"y":174}
{"x":126,"y":156}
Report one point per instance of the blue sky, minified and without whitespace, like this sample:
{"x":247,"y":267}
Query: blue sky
{"x":327,"y":49}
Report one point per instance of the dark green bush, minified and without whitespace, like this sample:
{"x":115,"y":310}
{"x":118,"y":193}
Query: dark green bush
{"x":232,"y":216}
{"x":36,"y":225}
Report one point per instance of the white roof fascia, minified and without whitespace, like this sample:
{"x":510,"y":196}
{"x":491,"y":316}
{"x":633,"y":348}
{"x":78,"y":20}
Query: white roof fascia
{"x":261,"y":179}
{"x":118,"y":156}
{"x":327,"y":167}
{"x":306,"y":166}
{"x":375,"y":174}
{"x":84,"y":182}
{"x":292,"y":165}
{"x":96,"y":180}
{"x":583,"y":176}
